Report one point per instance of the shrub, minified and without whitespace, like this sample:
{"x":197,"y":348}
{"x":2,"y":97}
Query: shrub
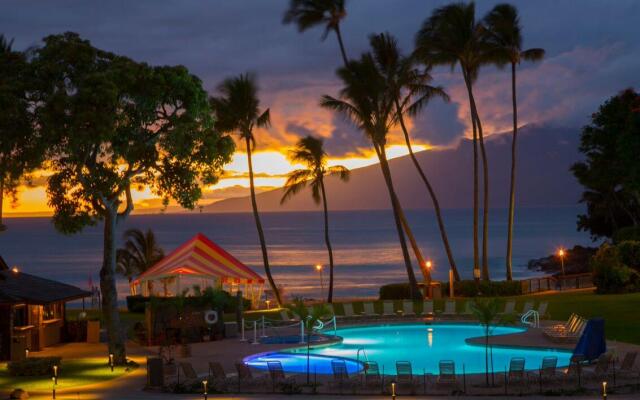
{"x":628,"y":233}
{"x":610,"y":275}
{"x":629,"y":251}
{"x":33,"y":366}
{"x":468,"y":288}
{"x":136,"y":304}
{"x":394,"y":291}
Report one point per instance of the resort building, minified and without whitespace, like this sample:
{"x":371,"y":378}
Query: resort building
{"x":32,"y":310}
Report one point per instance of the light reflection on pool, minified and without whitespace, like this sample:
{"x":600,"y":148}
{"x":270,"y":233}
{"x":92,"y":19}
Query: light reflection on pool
{"x":423,"y":345}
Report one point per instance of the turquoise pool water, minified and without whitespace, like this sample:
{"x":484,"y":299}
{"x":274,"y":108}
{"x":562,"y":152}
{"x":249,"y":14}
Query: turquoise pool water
{"x":423,"y":345}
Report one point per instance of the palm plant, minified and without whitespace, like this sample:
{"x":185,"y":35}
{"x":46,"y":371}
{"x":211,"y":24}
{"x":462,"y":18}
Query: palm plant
{"x":451,"y":36}
{"x":310,"y":152}
{"x":411,"y":92}
{"x":237,"y":111}
{"x":366,"y":101}
{"x":488,"y":314}
{"x":312,"y":320}
{"x":504,"y":33}
{"x":310,"y":13}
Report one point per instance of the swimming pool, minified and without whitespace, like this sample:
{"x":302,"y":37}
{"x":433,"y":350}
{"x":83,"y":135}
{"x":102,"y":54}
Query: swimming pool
{"x":423,"y":345}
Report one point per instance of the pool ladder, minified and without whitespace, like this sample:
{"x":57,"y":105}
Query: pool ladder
{"x":364,"y":353}
{"x":531,"y":314}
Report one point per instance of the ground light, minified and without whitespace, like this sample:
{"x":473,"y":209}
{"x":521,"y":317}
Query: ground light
{"x":55,"y":374}
{"x":53,"y":390}
{"x":393,"y":390}
{"x":111,"y":361}
{"x":604,"y":390}
{"x":204,"y":385}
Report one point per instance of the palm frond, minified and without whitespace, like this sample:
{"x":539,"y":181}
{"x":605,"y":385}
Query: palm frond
{"x":533,"y":55}
{"x":341,"y":171}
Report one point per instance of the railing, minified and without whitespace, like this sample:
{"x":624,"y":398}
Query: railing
{"x":557,"y":282}
{"x":264,"y":327}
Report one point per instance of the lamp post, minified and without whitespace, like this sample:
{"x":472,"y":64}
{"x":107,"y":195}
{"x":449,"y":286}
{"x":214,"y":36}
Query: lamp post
{"x":428,"y":265}
{"x":204,"y":384}
{"x":561,"y":254}
{"x":267,"y":302}
{"x":319,"y":269}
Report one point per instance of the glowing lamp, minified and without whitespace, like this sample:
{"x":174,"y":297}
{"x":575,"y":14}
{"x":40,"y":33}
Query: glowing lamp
{"x":15,"y":269}
{"x":318,"y":267}
{"x":428,"y":264}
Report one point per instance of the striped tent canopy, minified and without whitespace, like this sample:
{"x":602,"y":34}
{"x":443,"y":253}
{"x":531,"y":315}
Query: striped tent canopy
{"x":201,"y":258}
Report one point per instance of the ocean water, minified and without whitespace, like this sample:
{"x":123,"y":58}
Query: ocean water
{"x":366,"y":250}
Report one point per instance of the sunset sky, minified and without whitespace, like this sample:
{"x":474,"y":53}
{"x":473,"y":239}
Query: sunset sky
{"x":590,"y":56}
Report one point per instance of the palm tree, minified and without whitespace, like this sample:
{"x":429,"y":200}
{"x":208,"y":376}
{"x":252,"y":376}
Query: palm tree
{"x":411,"y":91}
{"x":504,"y":33}
{"x":140,"y":252}
{"x":237,"y":111}
{"x":311,"y":318}
{"x":366,"y":101}
{"x":310,"y":152}
{"x":310,"y":13}
{"x":451,"y":36}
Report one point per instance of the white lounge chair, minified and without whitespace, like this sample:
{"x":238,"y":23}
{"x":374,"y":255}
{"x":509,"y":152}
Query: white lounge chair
{"x":368,"y":310}
{"x":284,"y":315}
{"x":468,"y":311}
{"x":528,"y":306}
{"x":407,"y":308}
{"x":542,"y":309}
{"x":509,"y":307}
{"x":387,"y":309}
{"x":449,"y":308}
{"x":348,"y":310}
{"x":427,"y":307}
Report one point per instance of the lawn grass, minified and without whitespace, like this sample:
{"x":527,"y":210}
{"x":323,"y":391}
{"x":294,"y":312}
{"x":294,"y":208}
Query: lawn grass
{"x":73,"y":373}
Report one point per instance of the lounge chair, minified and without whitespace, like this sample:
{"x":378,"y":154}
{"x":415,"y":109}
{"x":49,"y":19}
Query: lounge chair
{"x":447,"y":373}
{"x":427,"y":308}
{"x":563,"y":326}
{"x":574,"y":371}
{"x":404,"y":375}
{"x":284,"y":315}
{"x":542,"y":309}
{"x":341,"y":376}
{"x":217,"y":377}
{"x":516,"y":371}
{"x":449,"y":308}
{"x":408,"y":308}
{"x":372,"y":375}
{"x":387,"y":309}
{"x":468,"y":310}
{"x":246,"y":377}
{"x":626,"y":368}
{"x":348,"y":310}
{"x":368,"y":310}
{"x":528,"y":306}
{"x":509,"y":307}
{"x":276,"y":373}
{"x":602,"y":368}
{"x":547,"y":371}
{"x":190,"y":375}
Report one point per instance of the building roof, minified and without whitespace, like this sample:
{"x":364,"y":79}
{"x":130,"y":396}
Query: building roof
{"x":201,"y":257}
{"x":19,"y":287}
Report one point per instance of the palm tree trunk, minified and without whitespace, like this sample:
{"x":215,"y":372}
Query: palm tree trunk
{"x":108,"y":289}
{"x":2,"y":227}
{"x":476,"y":252}
{"x":327,"y":241}
{"x":512,"y":192}
{"x":414,"y":245}
{"x":432,"y":193}
{"x":414,"y":291}
{"x":485,"y":180}
{"x":256,"y":216}
{"x":342,"y":50}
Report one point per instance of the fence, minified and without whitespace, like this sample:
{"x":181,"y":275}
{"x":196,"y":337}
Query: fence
{"x":559,"y":282}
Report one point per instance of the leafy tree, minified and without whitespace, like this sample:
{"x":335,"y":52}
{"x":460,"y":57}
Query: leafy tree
{"x":504,"y":34}
{"x":610,"y":173}
{"x":115,"y":124}
{"x":309,"y":151}
{"x":366,"y":102}
{"x":237,"y":110}
{"x":487,"y":312}
{"x":451,"y":36}
{"x":140,"y":252}
{"x":310,"y":13}
{"x":312,"y":320}
{"x":411,"y":91}
{"x":20,"y":146}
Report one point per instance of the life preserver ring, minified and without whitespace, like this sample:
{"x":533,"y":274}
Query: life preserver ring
{"x":211,"y":317}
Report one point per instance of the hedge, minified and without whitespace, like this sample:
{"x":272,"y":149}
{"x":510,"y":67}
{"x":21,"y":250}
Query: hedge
{"x":33,"y":366}
{"x":468,"y":288}
{"x":137,"y":303}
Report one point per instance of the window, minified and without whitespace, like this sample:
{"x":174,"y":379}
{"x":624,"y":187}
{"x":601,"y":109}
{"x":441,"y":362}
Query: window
{"x":20,"y":315}
{"x":51,"y":311}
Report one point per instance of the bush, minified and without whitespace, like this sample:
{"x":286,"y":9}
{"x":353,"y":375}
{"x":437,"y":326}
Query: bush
{"x":136,"y":304}
{"x":629,"y":251}
{"x":33,"y":366}
{"x":610,"y":275}
{"x":468,"y":288}
{"x":394,"y":291}
{"x":628,"y":233}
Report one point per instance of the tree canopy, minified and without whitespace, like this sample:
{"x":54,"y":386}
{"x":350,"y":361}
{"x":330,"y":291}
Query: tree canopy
{"x":610,"y":172}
